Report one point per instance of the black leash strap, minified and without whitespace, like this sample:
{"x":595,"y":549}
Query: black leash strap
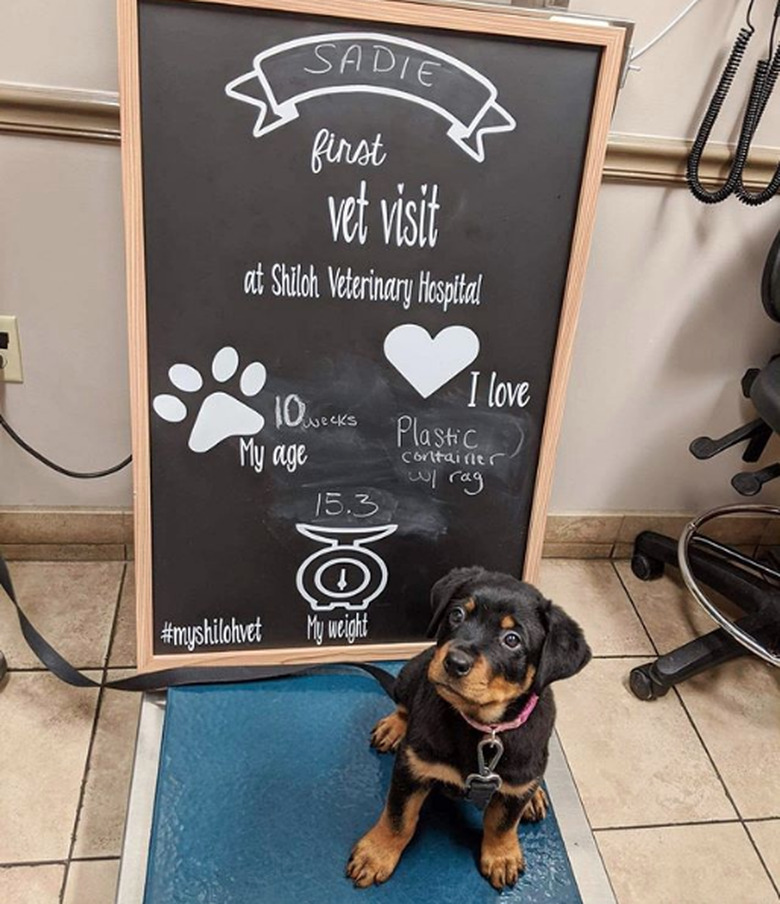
{"x":177,"y":677}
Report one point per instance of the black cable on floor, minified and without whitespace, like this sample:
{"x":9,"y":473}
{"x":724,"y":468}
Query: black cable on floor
{"x":79,"y":475}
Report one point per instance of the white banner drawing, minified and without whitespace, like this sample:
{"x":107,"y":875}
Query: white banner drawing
{"x":284,"y":77}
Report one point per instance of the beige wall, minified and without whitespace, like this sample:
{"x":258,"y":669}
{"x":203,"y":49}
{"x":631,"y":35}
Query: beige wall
{"x":670,"y":320}
{"x":679,"y":73}
{"x":71,"y":44}
{"x":62,"y":273}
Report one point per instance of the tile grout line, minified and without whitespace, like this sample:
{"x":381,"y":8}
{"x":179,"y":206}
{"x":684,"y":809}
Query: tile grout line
{"x":706,"y":749}
{"x":25,"y":863}
{"x":80,"y":667}
{"x":760,"y":857}
{"x":115,"y":622}
{"x":674,"y":688}
{"x":582,"y":802}
{"x":11,"y":864}
{"x":740,"y":819}
{"x":609,"y":656}
{"x":634,"y":607}
{"x":93,"y":733}
{"x":670,"y":825}
{"x":726,"y":789}
{"x":587,"y":819}
{"x":593,"y":830}
{"x":89,"y":667}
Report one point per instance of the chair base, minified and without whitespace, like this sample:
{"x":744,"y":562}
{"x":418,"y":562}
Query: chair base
{"x":725,"y":571}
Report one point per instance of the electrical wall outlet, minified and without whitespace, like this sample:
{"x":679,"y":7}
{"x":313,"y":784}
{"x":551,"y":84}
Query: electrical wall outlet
{"x":10,"y":351}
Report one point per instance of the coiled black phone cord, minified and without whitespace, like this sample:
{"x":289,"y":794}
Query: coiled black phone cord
{"x":766,"y":77}
{"x":710,"y":117}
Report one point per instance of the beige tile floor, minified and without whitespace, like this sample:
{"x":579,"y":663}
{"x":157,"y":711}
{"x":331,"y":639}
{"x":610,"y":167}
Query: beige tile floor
{"x":683,"y":793}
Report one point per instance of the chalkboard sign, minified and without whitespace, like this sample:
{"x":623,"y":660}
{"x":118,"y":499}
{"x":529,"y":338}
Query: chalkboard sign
{"x":356,"y":235}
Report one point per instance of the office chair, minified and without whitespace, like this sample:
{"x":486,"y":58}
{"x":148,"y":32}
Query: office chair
{"x":751,"y":584}
{"x":762,"y":387}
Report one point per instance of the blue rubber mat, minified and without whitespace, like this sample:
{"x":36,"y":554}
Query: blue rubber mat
{"x":264,"y":788}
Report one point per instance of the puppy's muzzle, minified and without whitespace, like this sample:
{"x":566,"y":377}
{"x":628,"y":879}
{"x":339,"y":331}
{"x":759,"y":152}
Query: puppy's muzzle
{"x":458,"y":663}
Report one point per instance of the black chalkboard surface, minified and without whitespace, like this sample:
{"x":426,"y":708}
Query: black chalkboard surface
{"x":357,"y":233}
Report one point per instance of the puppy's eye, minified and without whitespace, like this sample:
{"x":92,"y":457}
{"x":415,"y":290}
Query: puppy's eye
{"x":511,"y":639}
{"x":456,"y":616}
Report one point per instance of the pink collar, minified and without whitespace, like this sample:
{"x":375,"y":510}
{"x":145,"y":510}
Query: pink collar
{"x":519,"y":720}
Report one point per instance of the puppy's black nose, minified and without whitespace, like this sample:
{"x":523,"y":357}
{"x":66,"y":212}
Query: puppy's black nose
{"x":458,"y":663}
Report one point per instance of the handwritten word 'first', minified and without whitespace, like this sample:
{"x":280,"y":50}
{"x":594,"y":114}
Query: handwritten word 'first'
{"x":332,"y":149}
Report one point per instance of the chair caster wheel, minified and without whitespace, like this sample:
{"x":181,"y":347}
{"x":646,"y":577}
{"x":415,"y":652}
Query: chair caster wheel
{"x":643,"y":685}
{"x":645,"y":568}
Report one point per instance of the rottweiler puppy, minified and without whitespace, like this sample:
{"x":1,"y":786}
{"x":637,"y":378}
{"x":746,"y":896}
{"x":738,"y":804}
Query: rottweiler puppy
{"x":499,"y":644}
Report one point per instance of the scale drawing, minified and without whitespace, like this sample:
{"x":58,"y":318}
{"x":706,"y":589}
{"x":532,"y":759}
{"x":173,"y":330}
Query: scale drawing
{"x":362,"y":62}
{"x":343,"y":574}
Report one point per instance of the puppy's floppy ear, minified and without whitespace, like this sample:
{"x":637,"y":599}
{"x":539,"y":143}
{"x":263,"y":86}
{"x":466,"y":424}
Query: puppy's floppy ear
{"x":445,"y":590}
{"x":564,"y":651}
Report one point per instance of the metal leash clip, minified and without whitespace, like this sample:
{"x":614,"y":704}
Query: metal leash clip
{"x":482,"y":785}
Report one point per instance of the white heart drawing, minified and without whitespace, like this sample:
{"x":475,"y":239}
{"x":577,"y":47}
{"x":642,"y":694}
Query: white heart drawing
{"x":428,"y":363}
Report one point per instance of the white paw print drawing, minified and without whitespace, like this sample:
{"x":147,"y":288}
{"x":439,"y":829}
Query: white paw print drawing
{"x":220,"y":415}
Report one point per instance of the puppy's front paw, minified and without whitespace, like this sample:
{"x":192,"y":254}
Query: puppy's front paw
{"x":372,"y":860}
{"x":389,"y":732}
{"x":536,"y":808}
{"x":502,"y":864}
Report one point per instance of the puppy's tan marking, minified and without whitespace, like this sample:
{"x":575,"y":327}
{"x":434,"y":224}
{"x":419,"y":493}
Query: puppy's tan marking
{"x":469,"y":606}
{"x":536,"y":808}
{"x":376,"y":855}
{"x":518,"y":790}
{"x":390,"y":731}
{"x":426,"y":771}
{"x":482,"y":694}
{"x":528,"y":679}
{"x":501,"y":859}
{"x":436,"y":670}
{"x":509,"y":690}
{"x":508,"y":622}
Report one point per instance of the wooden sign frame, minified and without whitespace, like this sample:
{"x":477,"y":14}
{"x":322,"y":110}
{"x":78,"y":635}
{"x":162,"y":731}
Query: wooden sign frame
{"x":499,"y":21}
